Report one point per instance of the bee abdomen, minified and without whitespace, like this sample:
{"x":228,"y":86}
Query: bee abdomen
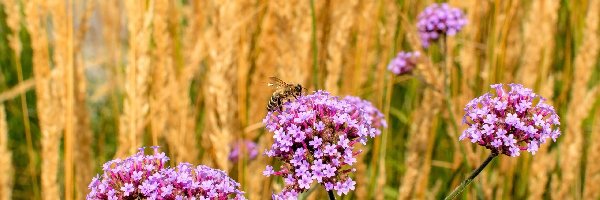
{"x":274,"y":103}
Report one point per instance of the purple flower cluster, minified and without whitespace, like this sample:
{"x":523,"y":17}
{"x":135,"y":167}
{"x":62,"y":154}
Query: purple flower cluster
{"x":373,"y":115}
{"x":315,"y":137}
{"x":438,"y":20}
{"x":251,"y":150}
{"x":404,"y":62}
{"x":509,"y":122}
{"x":146,"y":177}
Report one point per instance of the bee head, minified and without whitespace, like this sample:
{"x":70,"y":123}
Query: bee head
{"x":298,"y":88}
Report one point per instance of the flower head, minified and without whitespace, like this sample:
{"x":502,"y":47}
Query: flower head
{"x":438,"y":20}
{"x":522,"y":123}
{"x":315,"y":137}
{"x":404,"y":62}
{"x":250,"y":153}
{"x":146,"y":177}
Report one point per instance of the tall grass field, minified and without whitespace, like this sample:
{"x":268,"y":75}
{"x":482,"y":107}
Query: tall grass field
{"x":83,"y":82}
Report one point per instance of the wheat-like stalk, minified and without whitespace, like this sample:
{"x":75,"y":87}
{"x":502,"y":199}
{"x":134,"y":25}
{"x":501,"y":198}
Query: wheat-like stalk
{"x":363,"y":54}
{"x":344,"y":17}
{"x":48,"y":92}
{"x":83,"y":154}
{"x":169,"y":102}
{"x":292,"y":27}
{"x":135,"y":107}
{"x":62,"y":19}
{"x":542,"y":18}
{"x":420,"y":133}
{"x":543,"y":162}
{"x":83,"y":134}
{"x":591,"y":189}
{"x":220,"y":88}
{"x":580,"y":104}
{"x":161,"y":89}
{"x":6,"y":168}
{"x":13,"y":20}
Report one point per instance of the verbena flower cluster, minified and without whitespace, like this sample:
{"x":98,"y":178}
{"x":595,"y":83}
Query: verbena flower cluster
{"x":510,"y":122}
{"x":251,"y":150}
{"x":146,"y":177}
{"x":404,"y":62}
{"x":373,"y":115}
{"x":438,"y":20}
{"x":315,"y":138}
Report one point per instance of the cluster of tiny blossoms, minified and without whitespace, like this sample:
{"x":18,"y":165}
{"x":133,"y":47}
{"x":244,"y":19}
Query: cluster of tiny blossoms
{"x":404,"y":63}
{"x":509,"y":122}
{"x":315,"y":137}
{"x":251,"y":150}
{"x":438,"y":20}
{"x":146,"y":177}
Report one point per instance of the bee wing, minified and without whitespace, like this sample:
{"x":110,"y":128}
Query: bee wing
{"x":276,"y":82}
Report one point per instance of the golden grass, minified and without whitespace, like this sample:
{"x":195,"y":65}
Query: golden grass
{"x":84,"y":152}
{"x":6,"y":168}
{"x":48,"y":92}
{"x":542,"y":18}
{"x":62,"y":19}
{"x":581,"y":103}
{"x":135,"y":108}
{"x":221,"y":118}
{"x":343,"y":17}
{"x":592,"y":170}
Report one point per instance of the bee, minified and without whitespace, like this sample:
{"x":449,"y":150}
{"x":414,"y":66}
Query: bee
{"x":283,"y":93}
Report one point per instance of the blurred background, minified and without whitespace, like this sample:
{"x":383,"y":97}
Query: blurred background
{"x":86,"y":81}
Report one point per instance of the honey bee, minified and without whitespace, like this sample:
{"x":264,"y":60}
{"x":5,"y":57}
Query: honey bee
{"x":283,"y":93}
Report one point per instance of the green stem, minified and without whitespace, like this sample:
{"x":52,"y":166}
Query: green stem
{"x":459,"y":189}
{"x":330,"y":193}
{"x":314,"y":44}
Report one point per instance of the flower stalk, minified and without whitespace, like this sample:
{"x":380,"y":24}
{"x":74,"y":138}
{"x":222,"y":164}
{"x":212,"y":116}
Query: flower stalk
{"x":331,"y":196}
{"x":459,"y":189}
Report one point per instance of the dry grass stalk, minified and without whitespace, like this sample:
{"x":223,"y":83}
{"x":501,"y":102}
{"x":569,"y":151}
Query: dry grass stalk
{"x":362,"y":55}
{"x":135,"y":107}
{"x":83,"y":154}
{"x":580,"y":104}
{"x":343,"y":17}
{"x":110,"y":14}
{"x":468,"y":59}
{"x":85,"y":163}
{"x":220,"y":88}
{"x":169,"y":102}
{"x":62,"y":18}
{"x":542,"y":18}
{"x":591,"y":189}
{"x":6,"y":168}
{"x":420,"y":131}
{"x":13,"y":20}
{"x":266,"y":66}
{"x":161,"y":88}
{"x":292,"y":27}
{"x":17,"y":90}
{"x":387,"y":29}
{"x":48,"y":93}
{"x":543,"y":162}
